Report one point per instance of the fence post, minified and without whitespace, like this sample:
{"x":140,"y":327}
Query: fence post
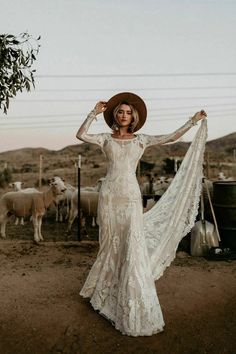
{"x":207,"y":165}
{"x":79,"y":223}
{"x":234,"y":164}
{"x":40,"y":170}
{"x":75,"y":173}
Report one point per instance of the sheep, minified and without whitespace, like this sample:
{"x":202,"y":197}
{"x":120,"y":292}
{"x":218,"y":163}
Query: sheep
{"x":148,"y":205}
{"x":88,"y":205}
{"x":64,"y":200}
{"x":73,"y":209}
{"x":222,"y":177}
{"x":95,"y":188}
{"x":153,"y":189}
{"x":155,"y":186}
{"x":17,"y":186}
{"x":88,"y":202}
{"x":34,"y":203}
{"x":161,"y":184}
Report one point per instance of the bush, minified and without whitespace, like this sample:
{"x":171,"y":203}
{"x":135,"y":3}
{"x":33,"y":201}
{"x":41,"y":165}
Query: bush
{"x":169,"y":165}
{"x":5,"y":177}
{"x":27,"y":167}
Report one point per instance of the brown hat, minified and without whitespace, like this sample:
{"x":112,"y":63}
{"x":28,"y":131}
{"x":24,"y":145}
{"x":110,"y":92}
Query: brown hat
{"x":129,"y":98}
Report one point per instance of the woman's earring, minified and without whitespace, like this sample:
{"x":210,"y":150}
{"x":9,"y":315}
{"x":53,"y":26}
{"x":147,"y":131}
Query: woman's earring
{"x":115,"y":126}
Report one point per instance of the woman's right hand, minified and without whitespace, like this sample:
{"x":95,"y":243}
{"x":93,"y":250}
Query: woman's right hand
{"x":100,"y":107}
{"x":199,"y":115}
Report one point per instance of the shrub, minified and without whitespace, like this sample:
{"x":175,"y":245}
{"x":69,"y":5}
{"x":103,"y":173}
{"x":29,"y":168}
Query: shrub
{"x":5,"y":177}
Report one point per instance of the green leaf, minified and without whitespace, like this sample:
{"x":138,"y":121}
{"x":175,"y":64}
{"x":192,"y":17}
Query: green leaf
{"x":17,"y":54}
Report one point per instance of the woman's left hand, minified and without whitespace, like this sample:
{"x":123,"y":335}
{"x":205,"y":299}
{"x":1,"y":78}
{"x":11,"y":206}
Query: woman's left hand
{"x":199,"y":115}
{"x":100,"y":107}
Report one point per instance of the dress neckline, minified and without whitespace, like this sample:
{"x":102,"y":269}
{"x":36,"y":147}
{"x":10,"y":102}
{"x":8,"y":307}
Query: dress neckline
{"x":124,"y":139}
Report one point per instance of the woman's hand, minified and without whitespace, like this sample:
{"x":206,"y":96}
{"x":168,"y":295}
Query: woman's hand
{"x":100,"y":107}
{"x":199,"y":115}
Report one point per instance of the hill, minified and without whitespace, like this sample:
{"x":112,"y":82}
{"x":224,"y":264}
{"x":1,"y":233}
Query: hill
{"x":24,"y":163}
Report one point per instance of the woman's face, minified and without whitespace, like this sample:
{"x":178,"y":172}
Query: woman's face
{"x":124,"y":115}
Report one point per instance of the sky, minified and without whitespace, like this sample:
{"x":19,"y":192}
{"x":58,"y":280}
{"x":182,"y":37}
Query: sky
{"x":178,"y":55}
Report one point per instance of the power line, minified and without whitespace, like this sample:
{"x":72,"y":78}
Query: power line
{"x":133,"y":89}
{"x":190,"y":107}
{"x":84,"y":114}
{"x":150,"y":110}
{"x":47,"y":116}
{"x":71,"y":123}
{"x":74,"y":76}
{"x":146,"y":99}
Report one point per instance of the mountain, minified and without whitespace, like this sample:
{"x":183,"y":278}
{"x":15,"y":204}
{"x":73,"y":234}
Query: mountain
{"x":223,"y":147}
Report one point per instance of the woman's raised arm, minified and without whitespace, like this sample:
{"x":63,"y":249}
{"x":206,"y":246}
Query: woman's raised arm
{"x":167,"y":138}
{"x":82,"y":132}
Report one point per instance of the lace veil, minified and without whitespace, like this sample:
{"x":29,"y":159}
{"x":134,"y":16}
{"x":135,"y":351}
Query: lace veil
{"x":173,"y":216}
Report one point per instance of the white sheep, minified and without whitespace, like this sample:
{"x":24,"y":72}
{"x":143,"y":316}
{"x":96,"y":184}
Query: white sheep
{"x":62,"y":201}
{"x":17,"y":186}
{"x":33,"y":203}
{"x":88,"y":205}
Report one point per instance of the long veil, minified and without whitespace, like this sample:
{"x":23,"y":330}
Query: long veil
{"x":173,"y":216}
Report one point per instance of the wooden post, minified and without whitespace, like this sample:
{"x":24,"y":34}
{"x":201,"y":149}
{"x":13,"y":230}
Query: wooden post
{"x":40,"y":170}
{"x":207,"y":165}
{"x":234,"y":164}
{"x":79,"y":223}
{"x":75,"y":169}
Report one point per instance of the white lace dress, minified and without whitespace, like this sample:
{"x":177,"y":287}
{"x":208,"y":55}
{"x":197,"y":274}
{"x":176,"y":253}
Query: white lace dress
{"x":135,"y":248}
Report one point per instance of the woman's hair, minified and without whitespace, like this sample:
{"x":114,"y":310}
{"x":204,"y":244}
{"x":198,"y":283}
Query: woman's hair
{"x":135,"y":117}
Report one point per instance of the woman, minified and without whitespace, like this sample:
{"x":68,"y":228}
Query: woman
{"x":135,"y":248}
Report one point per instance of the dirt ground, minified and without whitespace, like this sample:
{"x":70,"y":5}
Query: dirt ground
{"x":41,"y":311}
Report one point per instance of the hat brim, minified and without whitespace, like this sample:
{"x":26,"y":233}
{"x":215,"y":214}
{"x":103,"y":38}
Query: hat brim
{"x":131,"y":99}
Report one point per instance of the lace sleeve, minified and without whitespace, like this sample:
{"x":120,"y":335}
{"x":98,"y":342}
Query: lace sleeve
{"x":90,"y":138}
{"x":167,"y":138}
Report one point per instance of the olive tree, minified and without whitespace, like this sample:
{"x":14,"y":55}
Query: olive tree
{"x":17,"y":54}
